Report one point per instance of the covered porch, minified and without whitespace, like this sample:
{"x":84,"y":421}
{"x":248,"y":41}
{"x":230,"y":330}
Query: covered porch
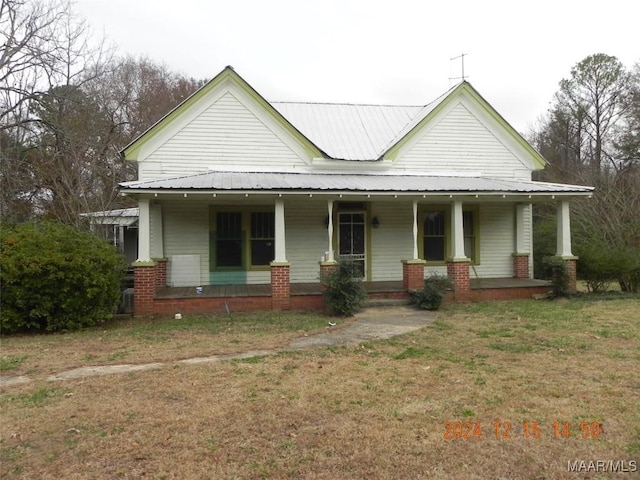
{"x":475,"y":230}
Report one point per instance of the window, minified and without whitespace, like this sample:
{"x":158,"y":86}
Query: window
{"x":262,"y":238}
{"x":229,"y":239}
{"x":435,"y":232}
{"x":242,"y":239}
{"x":434,"y":240}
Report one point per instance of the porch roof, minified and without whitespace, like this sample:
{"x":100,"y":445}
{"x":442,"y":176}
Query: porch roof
{"x":269,"y":182}
{"x":125,"y":217}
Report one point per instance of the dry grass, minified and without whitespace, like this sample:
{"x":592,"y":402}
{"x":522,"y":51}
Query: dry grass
{"x":376,"y":410}
{"x":148,"y":340}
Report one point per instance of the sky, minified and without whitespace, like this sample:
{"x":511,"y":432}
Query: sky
{"x":396,"y":52}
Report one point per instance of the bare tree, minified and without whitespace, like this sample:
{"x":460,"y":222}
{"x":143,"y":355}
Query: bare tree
{"x":594,"y":98}
{"x":592,"y":135}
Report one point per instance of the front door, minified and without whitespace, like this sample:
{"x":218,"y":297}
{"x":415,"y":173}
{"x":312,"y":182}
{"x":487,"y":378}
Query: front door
{"x":351,"y":238}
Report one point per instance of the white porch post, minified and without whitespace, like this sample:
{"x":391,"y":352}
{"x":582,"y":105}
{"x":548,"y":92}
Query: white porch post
{"x":330,"y":258}
{"x":415,"y":230}
{"x":121,"y":237}
{"x":280,"y":248}
{"x":144,"y":231}
{"x":521,"y":210}
{"x":564,"y":230}
{"x":157,"y":246}
{"x":457,"y":234}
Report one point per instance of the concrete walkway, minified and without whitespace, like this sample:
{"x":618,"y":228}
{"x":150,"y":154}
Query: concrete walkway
{"x":370,"y":324}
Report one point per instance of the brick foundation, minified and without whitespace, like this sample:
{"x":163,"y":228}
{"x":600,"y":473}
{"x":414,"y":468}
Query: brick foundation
{"x":144,"y":283}
{"x":161,"y":272}
{"x":571,"y":264}
{"x":489,"y":294}
{"x":280,"y":287}
{"x":413,"y":274}
{"x":521,"y":265}
{"x":327,"y":268}
{"x":458,"y":272}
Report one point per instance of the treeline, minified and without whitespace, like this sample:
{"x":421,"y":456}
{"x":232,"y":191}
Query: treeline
{"x":68,"y":104}
{"x":591,"y":136}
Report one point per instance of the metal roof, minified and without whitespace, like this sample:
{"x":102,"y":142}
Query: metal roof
{"x":351,"y":131}
{"x":120,"y":216}
{"x":316,"y":182}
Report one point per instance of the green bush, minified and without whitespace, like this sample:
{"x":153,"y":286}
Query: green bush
{"x":560,"y":278}
{"x":599,"y":265}
{"x":56,"y":278}
{"x":344,"y":292}
{"x":431,"y":295}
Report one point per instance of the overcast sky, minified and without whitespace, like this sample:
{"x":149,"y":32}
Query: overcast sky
{"x":373,"y":51}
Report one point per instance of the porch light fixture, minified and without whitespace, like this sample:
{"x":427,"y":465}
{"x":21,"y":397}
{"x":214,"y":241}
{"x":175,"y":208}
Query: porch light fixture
{"x":375,"y":223}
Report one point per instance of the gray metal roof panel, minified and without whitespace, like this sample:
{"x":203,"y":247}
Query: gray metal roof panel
{"x":349,"y":131}
{"x":248,"y":181}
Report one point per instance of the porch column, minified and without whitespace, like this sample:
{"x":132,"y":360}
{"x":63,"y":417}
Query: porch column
{"x":564,"y":230}
{"x":120,"y":238}
{"x":144,"y":273}
{"x":330,"y":258}
{"x":563,"y":249}
{"x":458,"y":264}
{"x":156,"y":246}
{"x":415,"y":230}
{"x":280,"y":277}
{"x":413,"y":270}
{"x":280,"y":248}
{"x":521,"y":254}
{"x":144,"y":231}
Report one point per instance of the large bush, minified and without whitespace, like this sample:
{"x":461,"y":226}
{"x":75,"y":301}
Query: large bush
{"x":56,"y":278}
{"x":344,"y":291}
{"x":599,"y":265}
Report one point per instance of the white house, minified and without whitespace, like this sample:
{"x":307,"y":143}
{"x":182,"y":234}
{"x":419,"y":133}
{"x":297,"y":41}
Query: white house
{"x":250,"y":200}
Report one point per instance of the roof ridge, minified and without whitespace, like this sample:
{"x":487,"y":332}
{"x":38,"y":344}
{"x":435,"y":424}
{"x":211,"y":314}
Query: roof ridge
{"x":352,"y":104}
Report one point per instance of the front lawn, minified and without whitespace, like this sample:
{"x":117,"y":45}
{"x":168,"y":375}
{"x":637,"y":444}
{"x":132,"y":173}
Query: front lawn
{"x":517,"y":390}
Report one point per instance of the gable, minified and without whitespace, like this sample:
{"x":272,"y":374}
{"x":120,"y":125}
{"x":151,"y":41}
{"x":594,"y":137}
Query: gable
{"x":464,"y":135}
{"x":226,"y":125}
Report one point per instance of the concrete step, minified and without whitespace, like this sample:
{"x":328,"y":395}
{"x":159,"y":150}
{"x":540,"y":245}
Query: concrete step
{"x":386,"y":302}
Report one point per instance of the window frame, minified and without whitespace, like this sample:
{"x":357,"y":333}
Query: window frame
{"x":246,"y":238}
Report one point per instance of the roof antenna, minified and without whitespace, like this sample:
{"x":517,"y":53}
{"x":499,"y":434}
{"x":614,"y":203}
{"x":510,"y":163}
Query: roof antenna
{"x":461,"y":57}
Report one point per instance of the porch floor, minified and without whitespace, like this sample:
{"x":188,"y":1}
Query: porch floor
{"x":264,"y":290}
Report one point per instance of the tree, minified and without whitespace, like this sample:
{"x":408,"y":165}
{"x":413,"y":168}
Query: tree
{"x":592,"y":135}
{"x":594,"y":99}
{"x":67,"y":110}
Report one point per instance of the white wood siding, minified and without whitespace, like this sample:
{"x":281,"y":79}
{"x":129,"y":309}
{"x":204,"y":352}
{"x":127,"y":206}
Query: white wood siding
{"x":460,"y":142}
{"x":306,"y":237}
{"x":226,"y":135}
{"x":497,"y":241}
{"x":186,"y":232}
{"x":392,"y":242}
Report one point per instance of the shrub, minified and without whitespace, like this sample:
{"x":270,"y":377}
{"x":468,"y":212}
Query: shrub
{"x":600,"y":264}
{"x":560,"y":278}
{"x":56,"y":278}
{"x":344,"y":292}
{"x":431,"y":295}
